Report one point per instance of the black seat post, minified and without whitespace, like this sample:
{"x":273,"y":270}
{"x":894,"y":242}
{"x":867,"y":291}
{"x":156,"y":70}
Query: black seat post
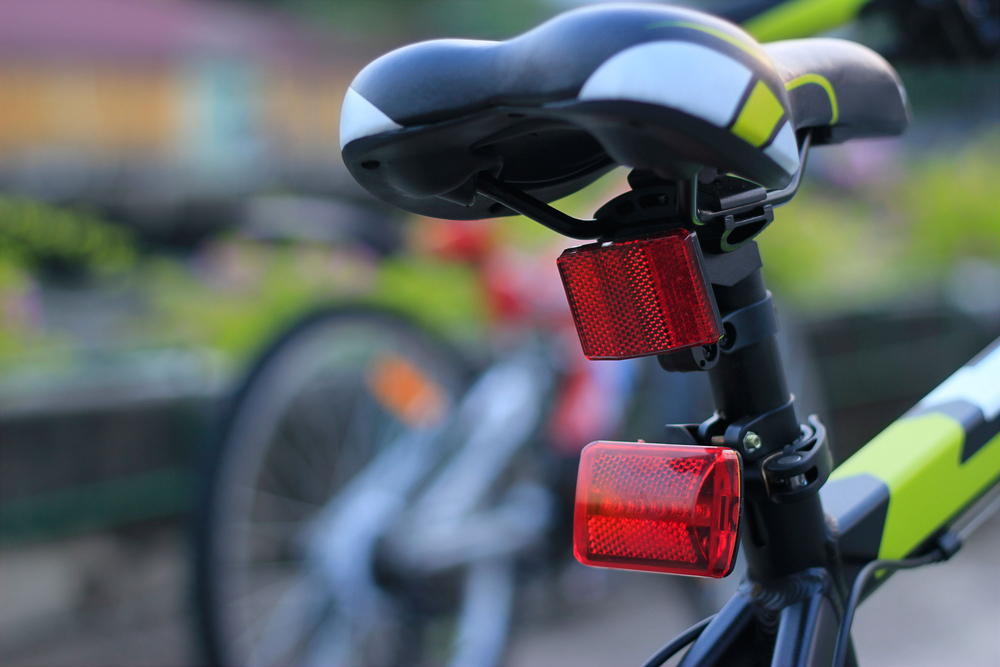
{"x":778,"y":539}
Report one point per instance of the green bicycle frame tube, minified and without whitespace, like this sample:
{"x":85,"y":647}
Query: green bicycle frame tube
{"x":802,"y":18}
{"x":912,"y":481}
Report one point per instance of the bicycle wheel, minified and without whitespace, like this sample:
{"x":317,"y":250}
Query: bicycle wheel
{"x":318,"y":408}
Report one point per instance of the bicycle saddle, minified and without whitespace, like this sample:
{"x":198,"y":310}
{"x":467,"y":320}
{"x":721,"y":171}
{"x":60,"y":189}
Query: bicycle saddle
{"x":647,"y":86}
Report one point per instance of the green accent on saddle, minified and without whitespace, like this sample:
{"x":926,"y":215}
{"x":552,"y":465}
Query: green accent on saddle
{"x":822,"y":81}
{"x":760,"y":114}
{"x":802,"y":18}
{"x":708,"y":30}
{"x":919,"y":459}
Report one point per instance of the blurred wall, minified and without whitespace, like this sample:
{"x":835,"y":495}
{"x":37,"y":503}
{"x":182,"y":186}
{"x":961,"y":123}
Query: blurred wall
{"x":111,"y":100}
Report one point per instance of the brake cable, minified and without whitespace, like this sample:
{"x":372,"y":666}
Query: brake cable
{"x":677,"y":643}
{"x":947,"y":545}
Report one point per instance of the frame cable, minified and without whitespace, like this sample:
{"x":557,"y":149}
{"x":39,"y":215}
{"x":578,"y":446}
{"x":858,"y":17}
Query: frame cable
{"x":947,"y":545}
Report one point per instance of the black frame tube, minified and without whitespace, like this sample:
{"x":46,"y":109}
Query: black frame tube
{"x":724,"y":636}
{"x":779,"y":540}
{"x":778,"y":616}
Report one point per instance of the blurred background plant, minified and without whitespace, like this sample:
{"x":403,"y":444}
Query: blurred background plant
{"x":897,"y":226}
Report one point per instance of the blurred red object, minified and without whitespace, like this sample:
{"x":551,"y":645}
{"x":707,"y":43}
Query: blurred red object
{"x":457,"y":240}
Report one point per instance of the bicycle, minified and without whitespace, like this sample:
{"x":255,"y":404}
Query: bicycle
{"x":717,"y":129}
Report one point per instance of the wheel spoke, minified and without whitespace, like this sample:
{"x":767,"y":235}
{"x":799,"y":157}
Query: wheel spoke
{"x":287,"y":624}
{"x":288,"y":501}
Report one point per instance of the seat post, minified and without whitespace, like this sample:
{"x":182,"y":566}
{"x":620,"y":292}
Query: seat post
{"x":778,"y":539}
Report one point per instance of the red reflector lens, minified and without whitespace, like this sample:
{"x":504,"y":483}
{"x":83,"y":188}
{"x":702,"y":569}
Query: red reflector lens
{"x":661,"y":508}
{"x":639,"y":297}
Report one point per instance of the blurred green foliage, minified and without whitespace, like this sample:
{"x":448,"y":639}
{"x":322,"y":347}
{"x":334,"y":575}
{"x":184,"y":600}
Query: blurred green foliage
{"x":953,"y":205}
{"x":43,"y":237}
{"x":835,"y":247}
{"x":231,"y":295}
{"x":884,"y":238}
{"x":253,"y":290}
{"x":40,"y":239}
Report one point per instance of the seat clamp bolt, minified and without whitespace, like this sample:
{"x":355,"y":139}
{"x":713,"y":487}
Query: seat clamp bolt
{"x":751,"y":442}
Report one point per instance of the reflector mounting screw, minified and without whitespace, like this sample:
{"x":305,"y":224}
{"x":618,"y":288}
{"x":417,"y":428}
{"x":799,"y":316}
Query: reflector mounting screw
{"x":751,"y":442}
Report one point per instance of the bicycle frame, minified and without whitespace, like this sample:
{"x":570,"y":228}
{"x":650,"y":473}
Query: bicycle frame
{"x":930,"y":472}
{"x":917,"y":476}
{"x":789,"y":19}
{"x":893,"y":499}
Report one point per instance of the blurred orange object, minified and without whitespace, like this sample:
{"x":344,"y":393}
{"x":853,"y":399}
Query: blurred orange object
{"x":406,"y":392}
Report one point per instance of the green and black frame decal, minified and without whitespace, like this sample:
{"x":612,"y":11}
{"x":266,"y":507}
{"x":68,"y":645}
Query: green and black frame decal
{"x":917,"y":475}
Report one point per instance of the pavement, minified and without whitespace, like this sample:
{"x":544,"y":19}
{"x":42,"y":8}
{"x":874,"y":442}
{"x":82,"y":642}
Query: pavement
{"x":120,"y":599}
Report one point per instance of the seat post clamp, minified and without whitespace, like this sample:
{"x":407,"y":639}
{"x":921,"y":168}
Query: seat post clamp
{"x":801,"y":468}
{"x":749,"y":325}
{"x":741,"y":328}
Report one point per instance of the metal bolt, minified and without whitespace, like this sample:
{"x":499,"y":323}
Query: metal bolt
{"x":797,"y":482}
{"x":751,"y":442}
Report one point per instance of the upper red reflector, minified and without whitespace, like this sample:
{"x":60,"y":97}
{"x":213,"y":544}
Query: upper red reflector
{"x":639,"y":297}
{"x":662,"y":508}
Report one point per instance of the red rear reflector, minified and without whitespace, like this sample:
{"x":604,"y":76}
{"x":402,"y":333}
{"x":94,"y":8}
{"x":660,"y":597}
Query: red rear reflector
{"x":639,"y":297}
{"x":661,"y":508}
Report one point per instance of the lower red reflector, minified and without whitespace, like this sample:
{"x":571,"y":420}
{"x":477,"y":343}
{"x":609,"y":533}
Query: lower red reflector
{"x":661,"y":508}
{"x":639,"y":297}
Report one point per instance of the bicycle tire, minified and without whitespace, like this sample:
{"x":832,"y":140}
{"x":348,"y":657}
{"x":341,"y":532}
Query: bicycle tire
{"x":313,"y":355}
